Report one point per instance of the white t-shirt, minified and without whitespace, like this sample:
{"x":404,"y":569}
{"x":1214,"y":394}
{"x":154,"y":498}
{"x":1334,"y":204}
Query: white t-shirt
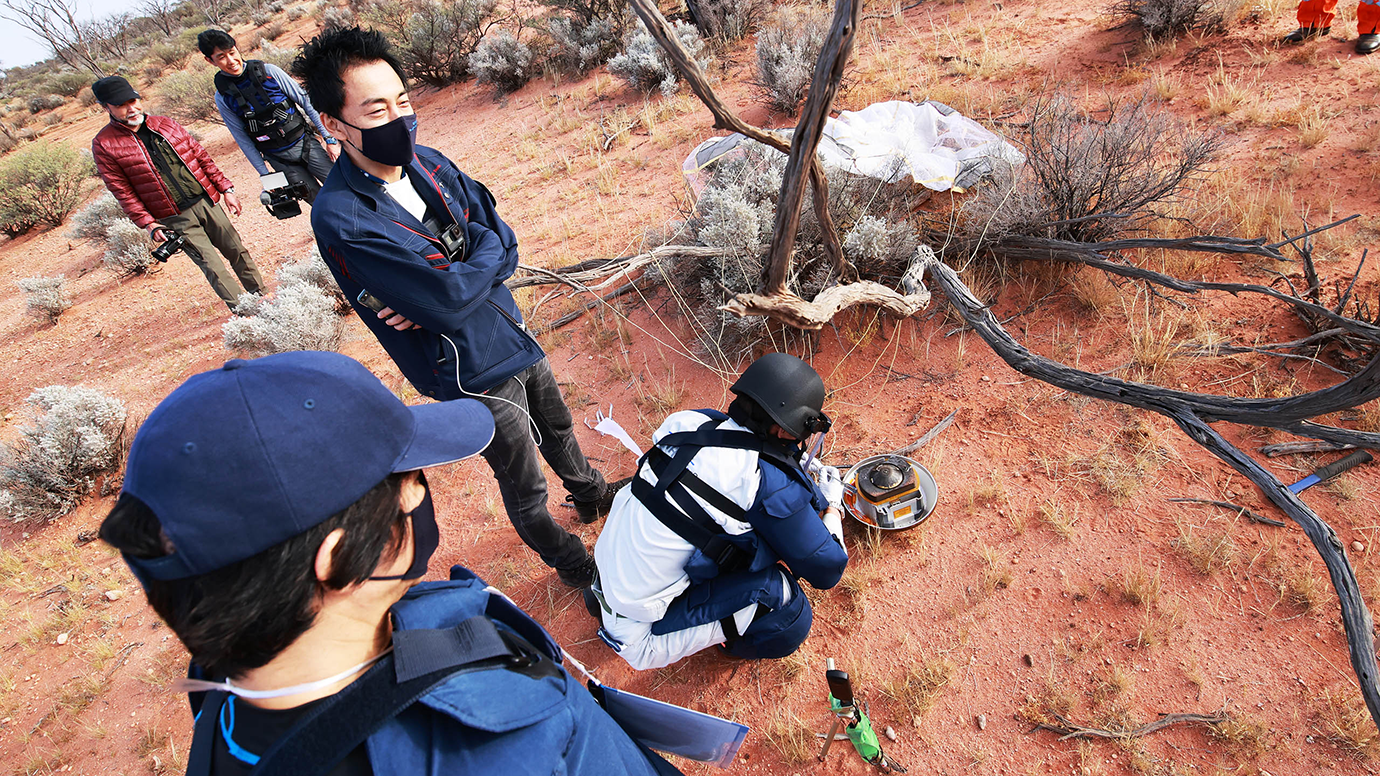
{"x":401,"y":191}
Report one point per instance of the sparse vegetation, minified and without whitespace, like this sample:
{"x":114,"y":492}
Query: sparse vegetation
{"x":786,"y":53}
{"x":311,"y":270}
{"x":93,"y":221}
{"x":1206,"y":551}
{"x":297,"y":317}
{"x":76,"y":435}
{"x":1081,"y":169}
{"x":503,"y":62}
{"x":184,"y":96}
{"x":1168,"y":19}
{"x":434,"y":39}
{"x":644,"y":66}
{"x":1059,"y":518}
{"x":41,"y":183}
{"x":45,"y":298}
{"x":918,"y":689}
{"x":127,"y":249}
{"x":579,"y":46}
{"x":724,"y":21}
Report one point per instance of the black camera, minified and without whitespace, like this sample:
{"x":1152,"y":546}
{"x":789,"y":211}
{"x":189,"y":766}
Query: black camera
{"x":175,"y":242}
{"x":281,"y":196}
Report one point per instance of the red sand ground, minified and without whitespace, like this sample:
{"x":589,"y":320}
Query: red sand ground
{"x":988,"y":595}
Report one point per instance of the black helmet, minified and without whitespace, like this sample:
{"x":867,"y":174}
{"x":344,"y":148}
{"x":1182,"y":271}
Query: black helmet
{"x":787,"y":389}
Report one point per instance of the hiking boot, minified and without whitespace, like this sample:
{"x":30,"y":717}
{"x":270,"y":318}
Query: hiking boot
{"x":579,"y":575}
{"x":1368,"y":43}
{"x":589,"y":511}
{"x":1306,"y":33}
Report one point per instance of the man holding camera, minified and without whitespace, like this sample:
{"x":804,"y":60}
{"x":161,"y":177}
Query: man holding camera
{"x":706,"y":545}
{"x":166,"y":182}
{"x":269,"y":115}
{"x":420,"y":250}
{"x":276,"y":513}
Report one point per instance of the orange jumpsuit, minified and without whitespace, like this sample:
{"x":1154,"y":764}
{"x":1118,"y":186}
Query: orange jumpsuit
{"x":1317,"y":14}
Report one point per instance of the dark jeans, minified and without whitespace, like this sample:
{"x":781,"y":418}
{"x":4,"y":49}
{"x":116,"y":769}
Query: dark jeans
{"x":513,"y":458}
{"x":306,"y":163}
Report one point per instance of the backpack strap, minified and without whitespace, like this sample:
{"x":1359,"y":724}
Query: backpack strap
{"x":421,"y":660}
{"x":675,"y":482}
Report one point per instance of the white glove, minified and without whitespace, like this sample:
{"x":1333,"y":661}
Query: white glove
{"x":831,"y":485}
{"x":812,"y":468}
{"x":833,"y":522}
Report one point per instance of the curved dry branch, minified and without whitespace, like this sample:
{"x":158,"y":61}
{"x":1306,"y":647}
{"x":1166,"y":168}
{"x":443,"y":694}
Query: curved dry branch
{"x":812,"y":315}
{"x":1094,"y":255}
{"x":1191,"y":412}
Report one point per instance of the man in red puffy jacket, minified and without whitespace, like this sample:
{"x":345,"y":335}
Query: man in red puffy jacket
{"x":164,"y":179}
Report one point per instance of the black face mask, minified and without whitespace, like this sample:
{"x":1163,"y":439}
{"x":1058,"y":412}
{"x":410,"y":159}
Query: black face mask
{"x":392,"y":144}
{"x":426,"y":537}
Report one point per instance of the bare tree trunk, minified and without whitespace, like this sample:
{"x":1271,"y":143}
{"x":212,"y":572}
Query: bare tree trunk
{"x":779,"y":255}
{"x":824,"y":86}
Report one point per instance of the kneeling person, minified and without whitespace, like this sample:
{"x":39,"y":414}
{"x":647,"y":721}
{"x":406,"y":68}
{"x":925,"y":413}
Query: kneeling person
{"x":706,"y":544}
{"x":292,"y":578}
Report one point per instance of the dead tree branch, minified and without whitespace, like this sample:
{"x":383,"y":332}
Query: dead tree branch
{"x":836,"y":48}
{"x":928,"y":435}
{"x":1067,"y":729}
{"x":1192,"y":413}
{"x":1237,"y":508}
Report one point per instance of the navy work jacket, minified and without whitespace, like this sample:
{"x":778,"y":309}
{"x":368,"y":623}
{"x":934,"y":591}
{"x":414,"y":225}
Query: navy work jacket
{"x":370,"y":242}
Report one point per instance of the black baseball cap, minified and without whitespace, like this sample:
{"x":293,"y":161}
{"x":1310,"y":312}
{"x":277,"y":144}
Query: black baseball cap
{"x":113,"y":90}
{"x":240,"y":459}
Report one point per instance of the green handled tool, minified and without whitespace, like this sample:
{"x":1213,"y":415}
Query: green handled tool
{"x":854,"y":721}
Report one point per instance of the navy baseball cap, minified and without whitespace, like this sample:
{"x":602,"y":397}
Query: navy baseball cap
{"x":242,"y":458}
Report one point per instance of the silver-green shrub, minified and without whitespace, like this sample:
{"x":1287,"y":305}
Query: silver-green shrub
{"x":76,"y":435}
{"x":45,"y":298}
{"x":644,"y":66}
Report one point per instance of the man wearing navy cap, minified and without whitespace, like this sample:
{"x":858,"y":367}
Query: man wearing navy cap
{"x":276,"y":514}
{"x":420,"y":250}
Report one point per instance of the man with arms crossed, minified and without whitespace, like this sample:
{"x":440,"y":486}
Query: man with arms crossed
{"x":419,"y":249}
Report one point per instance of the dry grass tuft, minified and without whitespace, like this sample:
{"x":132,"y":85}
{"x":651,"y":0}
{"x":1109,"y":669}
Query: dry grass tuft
{"x":995,"y":573}
{"x":790,"y":737}
{"x":1138,"y":585}
{"x":986,"y":493}
{"x":1245,"y":737}
{"x":1060,"y":519}
{"x":917,"y":691}
{"x":1343,"y":720}
{"x":1205,"y":551}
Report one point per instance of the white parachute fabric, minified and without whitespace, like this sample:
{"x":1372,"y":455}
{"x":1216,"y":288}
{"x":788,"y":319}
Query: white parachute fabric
{"x":934,"y":145}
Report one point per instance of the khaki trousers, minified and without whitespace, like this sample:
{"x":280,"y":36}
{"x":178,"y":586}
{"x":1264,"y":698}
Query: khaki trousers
{"x":207,"y":227}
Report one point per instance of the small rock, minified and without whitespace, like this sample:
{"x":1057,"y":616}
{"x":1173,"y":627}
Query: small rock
{"x":1183,"y":386}
{"x":1309,"y":739}
{"x":1358,"y":547}
{"x":9,"y":415}
{"x":915,"y":721}
{"x":982,"y":721}
{"x":1028,"y":660}
{"x":890,"y":733}
{"x":62,"y":639}
{"x":986,"y":379}
{"x":113,"y":595}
